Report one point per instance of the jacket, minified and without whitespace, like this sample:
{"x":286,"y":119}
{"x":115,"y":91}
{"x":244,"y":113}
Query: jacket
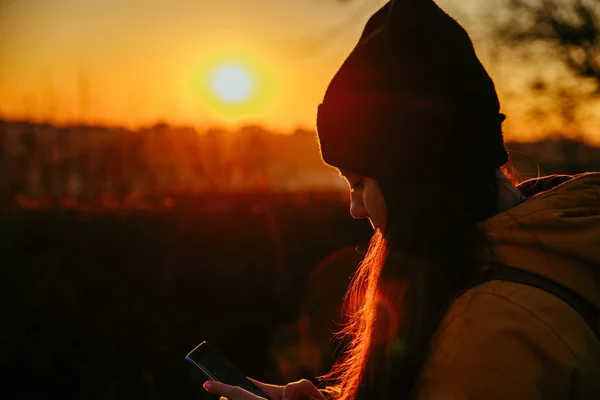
{"x":506,"y":340}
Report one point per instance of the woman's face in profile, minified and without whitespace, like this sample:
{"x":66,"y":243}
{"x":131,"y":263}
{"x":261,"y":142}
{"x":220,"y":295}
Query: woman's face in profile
{"x":366,"y":199}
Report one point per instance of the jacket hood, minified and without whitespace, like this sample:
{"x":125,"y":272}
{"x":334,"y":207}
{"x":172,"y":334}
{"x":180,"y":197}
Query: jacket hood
{"x":555,"y":234}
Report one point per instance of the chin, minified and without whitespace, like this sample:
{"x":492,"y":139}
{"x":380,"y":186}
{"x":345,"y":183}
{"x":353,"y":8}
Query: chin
{"x":378,"y":227}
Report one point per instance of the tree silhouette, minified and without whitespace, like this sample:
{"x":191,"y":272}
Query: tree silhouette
{"x":568,"y":28}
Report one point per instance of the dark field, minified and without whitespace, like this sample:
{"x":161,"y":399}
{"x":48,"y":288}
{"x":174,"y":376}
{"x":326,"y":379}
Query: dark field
{"x":109,"y":277}
{"x":106,"y":305}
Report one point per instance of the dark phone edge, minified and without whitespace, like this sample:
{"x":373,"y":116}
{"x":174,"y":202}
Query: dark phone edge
{"x":209,"y":375}
{"x":204,"y":371}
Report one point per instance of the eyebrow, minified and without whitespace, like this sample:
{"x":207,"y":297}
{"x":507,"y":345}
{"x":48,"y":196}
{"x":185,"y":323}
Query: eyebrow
{"x":342,"y":173}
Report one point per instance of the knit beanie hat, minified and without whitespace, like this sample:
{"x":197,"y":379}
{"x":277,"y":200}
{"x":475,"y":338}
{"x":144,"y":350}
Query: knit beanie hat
{"x":412,"y":98}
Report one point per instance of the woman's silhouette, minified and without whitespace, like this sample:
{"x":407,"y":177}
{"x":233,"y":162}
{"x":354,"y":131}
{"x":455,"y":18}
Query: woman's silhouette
{"x":412,"y":121}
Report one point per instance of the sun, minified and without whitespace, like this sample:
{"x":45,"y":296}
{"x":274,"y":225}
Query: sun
{"x":232,"y":83}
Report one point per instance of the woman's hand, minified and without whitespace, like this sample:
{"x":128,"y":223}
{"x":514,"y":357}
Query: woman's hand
{"x":302,"y":389}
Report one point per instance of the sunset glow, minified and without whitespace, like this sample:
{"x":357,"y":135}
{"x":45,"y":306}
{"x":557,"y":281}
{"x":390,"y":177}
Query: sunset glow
{"x":267,"y":62}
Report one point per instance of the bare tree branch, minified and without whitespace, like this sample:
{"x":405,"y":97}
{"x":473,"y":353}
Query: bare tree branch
{"x":570,"y":26}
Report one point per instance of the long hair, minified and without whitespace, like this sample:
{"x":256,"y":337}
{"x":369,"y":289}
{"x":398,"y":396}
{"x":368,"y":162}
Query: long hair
{"x":429,"y":253}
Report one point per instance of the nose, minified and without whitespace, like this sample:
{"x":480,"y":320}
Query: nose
{"x":357,"y":208}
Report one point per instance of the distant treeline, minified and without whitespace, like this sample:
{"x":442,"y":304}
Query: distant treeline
{"x":84,"y":163}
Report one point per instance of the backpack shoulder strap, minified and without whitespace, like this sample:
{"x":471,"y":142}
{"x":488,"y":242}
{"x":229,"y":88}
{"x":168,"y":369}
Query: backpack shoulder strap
{"x":510,"y":274}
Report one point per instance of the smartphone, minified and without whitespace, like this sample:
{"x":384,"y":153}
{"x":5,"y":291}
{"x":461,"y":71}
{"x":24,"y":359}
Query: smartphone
{"x":217,"y":368}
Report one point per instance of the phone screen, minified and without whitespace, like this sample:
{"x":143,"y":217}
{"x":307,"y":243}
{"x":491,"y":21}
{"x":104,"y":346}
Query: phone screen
{"x":216,"y":367}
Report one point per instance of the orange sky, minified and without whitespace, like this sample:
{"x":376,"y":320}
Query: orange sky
{"x":132,"y":62}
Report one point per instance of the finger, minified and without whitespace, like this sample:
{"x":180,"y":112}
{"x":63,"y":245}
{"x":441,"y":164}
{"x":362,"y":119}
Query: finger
{"x":301,"y":388}
{"x":274,"y":392}
{"x":231,"y":392}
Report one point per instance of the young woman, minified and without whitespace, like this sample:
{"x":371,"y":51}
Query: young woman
{"x":412,"y":121}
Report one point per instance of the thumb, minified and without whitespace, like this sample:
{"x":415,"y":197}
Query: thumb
{"x":273,"y":391}
{"x":302,"y":389}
